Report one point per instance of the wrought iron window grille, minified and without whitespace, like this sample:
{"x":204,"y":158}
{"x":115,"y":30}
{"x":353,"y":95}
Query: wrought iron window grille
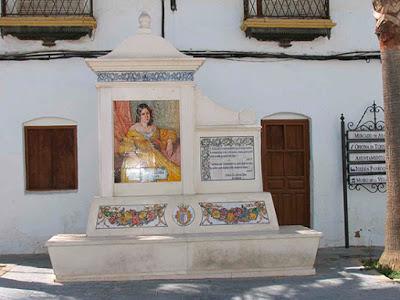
{"x":46,"y":8}
{"x":286,"y":20}
{"x":299,"y":9}
{"x":47,"y":20}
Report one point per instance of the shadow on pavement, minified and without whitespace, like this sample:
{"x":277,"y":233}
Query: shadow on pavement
{"x":339,"y":276}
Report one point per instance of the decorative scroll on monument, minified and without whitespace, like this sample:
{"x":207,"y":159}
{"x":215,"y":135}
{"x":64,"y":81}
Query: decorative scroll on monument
{"x":227,"y":158}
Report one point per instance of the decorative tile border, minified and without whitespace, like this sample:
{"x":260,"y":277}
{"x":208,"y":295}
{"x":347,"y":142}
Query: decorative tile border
{"x":142,"y":76}
{"x":232,"y":146}
{"x":183,"y":215}
{"x":233,"y":213}
{"x":127,"y":216}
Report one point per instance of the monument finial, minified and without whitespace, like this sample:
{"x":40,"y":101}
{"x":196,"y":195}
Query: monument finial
{"x":144,"y":23}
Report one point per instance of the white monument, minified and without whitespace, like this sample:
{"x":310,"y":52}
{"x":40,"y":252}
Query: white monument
{"x":180,"y":181}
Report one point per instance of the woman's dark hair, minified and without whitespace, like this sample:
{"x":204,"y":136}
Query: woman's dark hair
{"x":139,"y":109}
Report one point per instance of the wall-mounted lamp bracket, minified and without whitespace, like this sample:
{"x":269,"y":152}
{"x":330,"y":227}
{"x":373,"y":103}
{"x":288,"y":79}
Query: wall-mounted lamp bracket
{"x":173,"y":5}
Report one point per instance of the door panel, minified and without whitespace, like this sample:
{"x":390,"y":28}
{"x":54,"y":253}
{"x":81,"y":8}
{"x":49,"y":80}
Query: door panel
{"x":295,"y":184}
{"x":294,"y":164}
{"x":285,"y":168}
{"x":275,"y":163}
{"x":275,"y":139}
{"x":294,"y":137}
{"x":277,"y":184}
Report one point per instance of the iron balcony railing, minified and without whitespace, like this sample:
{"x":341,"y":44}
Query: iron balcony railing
{"x":292,"y":9}
{"x":46,"y":8}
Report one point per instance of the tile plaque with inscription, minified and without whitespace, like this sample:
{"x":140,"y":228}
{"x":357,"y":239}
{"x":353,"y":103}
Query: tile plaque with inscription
{"x":227,"y":158}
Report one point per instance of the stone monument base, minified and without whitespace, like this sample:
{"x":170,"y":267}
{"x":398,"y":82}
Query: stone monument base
{"x":291,"y":250}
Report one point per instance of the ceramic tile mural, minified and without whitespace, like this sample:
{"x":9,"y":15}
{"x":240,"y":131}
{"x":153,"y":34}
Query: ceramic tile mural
{"x":147,"y":141}
{"x":233,"y":213}
{"x":110,"y":217}
{"x":183,"y":215}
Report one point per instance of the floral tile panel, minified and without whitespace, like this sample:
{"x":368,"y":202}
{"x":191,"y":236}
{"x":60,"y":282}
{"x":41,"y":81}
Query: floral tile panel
{"x":127,"y":216}
{"x":233,"y":213}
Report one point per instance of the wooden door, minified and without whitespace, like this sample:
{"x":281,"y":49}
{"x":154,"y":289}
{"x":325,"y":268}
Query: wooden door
{"x":285,"y":151}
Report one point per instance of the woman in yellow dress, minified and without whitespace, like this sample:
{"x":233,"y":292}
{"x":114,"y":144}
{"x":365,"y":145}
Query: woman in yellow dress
{"x":147,"y":151}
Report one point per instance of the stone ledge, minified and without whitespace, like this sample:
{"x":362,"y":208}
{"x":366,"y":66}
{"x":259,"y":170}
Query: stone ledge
{"x":287,"y":252}
{"x":293,"y":231}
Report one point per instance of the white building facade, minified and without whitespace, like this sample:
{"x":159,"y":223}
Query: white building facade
{"x":315,"y":88}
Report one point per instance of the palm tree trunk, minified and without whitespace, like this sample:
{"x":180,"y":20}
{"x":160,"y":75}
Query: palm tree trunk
{"x":387,"y":13}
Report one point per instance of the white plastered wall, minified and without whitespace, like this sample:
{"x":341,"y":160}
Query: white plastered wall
{"x":29,"y":91}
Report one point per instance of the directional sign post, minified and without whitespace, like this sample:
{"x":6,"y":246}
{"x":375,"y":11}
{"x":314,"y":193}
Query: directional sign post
{"x":363,"y":156}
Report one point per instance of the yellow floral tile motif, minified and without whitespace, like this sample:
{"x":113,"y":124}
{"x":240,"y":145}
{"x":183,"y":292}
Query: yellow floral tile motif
{"x":110,"y":217}
{"x":233,"y":213}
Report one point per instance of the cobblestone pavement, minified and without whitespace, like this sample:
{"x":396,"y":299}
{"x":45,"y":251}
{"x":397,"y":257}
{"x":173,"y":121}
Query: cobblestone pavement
{"x":339,"y":276}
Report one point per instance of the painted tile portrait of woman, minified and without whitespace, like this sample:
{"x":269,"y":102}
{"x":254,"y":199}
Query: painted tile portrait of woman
{"x":146,"y":141}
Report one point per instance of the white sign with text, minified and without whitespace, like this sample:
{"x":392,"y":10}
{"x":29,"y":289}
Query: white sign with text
{"x":227,"y":158}
{"x":367,"y":168}
{"x":367,"y":179}
{"x":366,"y":135}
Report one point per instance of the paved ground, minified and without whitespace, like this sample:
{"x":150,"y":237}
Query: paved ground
{"x":339,"y":276}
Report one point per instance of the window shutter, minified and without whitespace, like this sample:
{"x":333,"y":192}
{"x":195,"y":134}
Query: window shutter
{"x":51,"y":158}
{"x":64,"y":159}
{"x":38,"y":158}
